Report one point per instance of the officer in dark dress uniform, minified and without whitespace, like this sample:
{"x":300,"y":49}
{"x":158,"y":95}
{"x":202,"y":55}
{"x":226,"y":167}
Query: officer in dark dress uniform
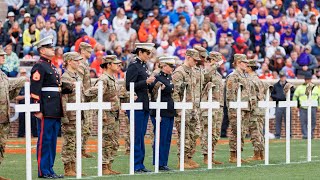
{"x":46,"y":90}
{"x":164,"y":81}
{"x":137,"y":72}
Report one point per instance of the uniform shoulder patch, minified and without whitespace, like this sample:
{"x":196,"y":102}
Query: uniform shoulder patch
{"x":36,"y":76}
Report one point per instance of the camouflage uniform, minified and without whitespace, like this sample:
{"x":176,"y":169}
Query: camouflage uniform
{"x":84,"y":73}
{"x":212,"y":80}
{"x":199,"y":73}
{"x":111,"y":92}
{"x":233,"y":81}
{"x":256,"y":121}
{"x":184,"y":77}
{"x":68,"y":128}
{"x":9,"y":89}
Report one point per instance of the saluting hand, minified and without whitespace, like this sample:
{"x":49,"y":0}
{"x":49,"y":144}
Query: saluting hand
{"x":150,"y":79}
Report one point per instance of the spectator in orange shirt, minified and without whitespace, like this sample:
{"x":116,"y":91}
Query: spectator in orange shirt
{"x":57,"y":60}
{"x":96,"y":63}
{"x":153,"y":22}
{"x":312,"y":8}
{"x":146,"y":31}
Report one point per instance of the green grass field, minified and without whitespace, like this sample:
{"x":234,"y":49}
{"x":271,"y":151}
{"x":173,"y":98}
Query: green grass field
{"x":14,"y":165}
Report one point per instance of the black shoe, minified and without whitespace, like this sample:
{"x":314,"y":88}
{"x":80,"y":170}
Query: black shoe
{"x":46,"y":177}
{"x":164,"y":168}
{"x":304,"y":137}
{"x":277,"y":137}
{"x":56,"y":176}
{"x":145,"y":170}
{"x":139,"y":171}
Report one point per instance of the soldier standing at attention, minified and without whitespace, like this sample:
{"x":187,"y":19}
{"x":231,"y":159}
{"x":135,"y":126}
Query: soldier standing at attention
{"x":137,"y":72}
{"x":257,"y":93}
{"x":237,"y":78}
{"x":70,"y":76}
{"x":184,"y":77}
{"x":8,"y":91}
{"x":212,"y":79}
{"x":111,"y":91}
{"x":46,"y":90}
{"x":84,"y":72}
{"x":164,"y":81}
{"x":199,"y":70}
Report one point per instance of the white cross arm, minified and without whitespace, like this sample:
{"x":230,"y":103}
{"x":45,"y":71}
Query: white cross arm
{"x":209,"y":105}
{"x":131,"y":106}
{"x":309,"y":103}
{"x":183,"y":105}
{"x":267,"y":104}
{"x":236,"y":105}
{"x":288,"y":103}
{"x":100,"y":105}
{"x":78,"y":106}
{"x":158,"y":105}
{"x":27,"y":107}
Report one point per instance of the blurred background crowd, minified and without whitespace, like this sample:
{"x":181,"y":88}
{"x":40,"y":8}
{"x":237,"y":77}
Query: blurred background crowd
{"x":283,"y":35}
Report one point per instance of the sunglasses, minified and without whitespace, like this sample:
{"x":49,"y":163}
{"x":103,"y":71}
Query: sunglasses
{"x":148,"y":52}
{"x":171,"y":66}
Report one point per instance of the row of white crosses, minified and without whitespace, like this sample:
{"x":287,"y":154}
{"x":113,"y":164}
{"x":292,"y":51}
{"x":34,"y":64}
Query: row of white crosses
{"x":79,"y":106}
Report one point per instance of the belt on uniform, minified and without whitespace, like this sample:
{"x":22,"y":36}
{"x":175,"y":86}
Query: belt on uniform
{"x":51,"y":89}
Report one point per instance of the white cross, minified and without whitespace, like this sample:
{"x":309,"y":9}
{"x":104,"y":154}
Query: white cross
{"x":209,"y":105}
{"x":309,"y":103}
{"x":132,"y":106}
{"x":158,"y":106}
{"x":100,"y":106}
{"x":78,"y":106}
{"x":288,"y":104}
{"x":238,"y":105}
{"x":27,"y":108}
{"x":183,"y":106}
{"x":267,"y":105}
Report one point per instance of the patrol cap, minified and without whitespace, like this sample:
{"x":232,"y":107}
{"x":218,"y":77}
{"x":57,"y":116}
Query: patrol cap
{"x":2,"y":53}
{"x":71,"y":56}
{"x":110,"y":59}
{"x":241,"y":58}
{"x":216,"y":56}
{"x":147,"y":46}
{"x":45,"y":42}
{"x":202,"y":51}
{"x":85,"y":46}
{"x":252,"y":63}
{"x":168,"y":60}
{"x":193,"y":53}
{"x":308,"y":76}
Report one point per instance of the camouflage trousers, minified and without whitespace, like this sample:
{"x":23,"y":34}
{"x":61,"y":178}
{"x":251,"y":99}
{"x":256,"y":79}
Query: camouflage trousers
{"x":126,"y":134}
{"x":68,"y":152}
{"x":216,"y":130}
{"x":232,"y":113}
{"x":86,"y":127}
{"x":4,"y":131}
{"x":110,"y":137}
{"x":190,"y":134}
{"x":256,"y":130}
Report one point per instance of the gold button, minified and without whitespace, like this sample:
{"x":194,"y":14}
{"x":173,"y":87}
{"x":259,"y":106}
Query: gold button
{"x":49,"y":97}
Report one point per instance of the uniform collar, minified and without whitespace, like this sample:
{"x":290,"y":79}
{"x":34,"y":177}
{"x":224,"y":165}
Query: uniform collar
{"x":140,"y":61}
{"x":73,"y":74}
{"x":186,"y":68}
{"x":111,"y":77}
{"x":45,"y":59}
{"x":164,"y":74}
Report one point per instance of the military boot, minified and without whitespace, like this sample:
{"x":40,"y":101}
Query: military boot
{"x":127,"y":152}
{"x":3,"y":178}
{"x":186,"y":165}
{"x":214,"y":161}
{"x":205,"y":159}
{"x":86,"y":155}
{"x":193,"y":163}
{"x":74,"y":169}
{"x":106,"y":169}
{"x":255,"y":157}
{"x":233,"y":158}
{"x":262,"y":155}
{"x":68,"y":170}
{"x":114,"y":172}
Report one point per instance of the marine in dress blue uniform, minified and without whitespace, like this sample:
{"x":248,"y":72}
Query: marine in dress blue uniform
{"x":164,"y":81}
{"x":46,"y":90}
{"x":137,"y":72}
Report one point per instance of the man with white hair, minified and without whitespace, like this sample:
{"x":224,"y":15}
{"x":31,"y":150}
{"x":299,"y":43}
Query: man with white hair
{"x":185,"y":3}
{"x":125,"y":33}
{"x":165,"y":49}
{"x":102,"y":34}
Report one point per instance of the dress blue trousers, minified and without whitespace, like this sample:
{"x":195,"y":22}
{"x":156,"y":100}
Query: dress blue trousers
{"x":48,"y":129}
{"x":166,"y":126}
{"x":140,"y":123}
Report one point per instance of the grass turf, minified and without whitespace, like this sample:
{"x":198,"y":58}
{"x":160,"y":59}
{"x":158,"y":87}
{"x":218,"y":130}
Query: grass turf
{"x":14,"y":165}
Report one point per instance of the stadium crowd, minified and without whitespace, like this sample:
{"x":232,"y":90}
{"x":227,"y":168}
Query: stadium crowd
{"x":281,"y":35}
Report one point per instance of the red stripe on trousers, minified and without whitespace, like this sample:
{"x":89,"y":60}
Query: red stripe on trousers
{"x":40,"y":145}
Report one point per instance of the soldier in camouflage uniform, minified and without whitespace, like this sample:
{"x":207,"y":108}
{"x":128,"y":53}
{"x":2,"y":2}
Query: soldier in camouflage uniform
{"x":68,"y":128}
{"x":199,"y":70}
{"x":184,"y":77}
{"x":212,"y":79}
{"x":124,"y":98}
{"x":84,"y":73}
{"x":237,"y":78}
{"x":257,"y":93}
{"x":9,"y":89}
{"x":111,"y":91}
